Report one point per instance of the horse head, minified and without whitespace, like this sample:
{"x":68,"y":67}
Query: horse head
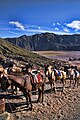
{"x":49,"y":71}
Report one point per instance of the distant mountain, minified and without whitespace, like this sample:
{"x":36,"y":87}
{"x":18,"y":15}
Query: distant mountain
{"x":47,"y":41}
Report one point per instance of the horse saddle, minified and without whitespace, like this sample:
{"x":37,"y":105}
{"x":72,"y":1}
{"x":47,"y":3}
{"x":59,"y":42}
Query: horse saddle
{"x":58,"y":73}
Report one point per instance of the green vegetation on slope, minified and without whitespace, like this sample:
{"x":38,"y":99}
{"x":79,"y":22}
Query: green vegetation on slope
{"x":8,"y":49}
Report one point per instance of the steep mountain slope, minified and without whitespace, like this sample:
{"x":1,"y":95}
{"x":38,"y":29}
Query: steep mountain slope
{"x":47,"y":41}
{"x":9,"y":50}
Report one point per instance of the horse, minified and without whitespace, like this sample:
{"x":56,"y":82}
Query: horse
{"x":74,"y":76}
{"x":60,"y":75}
{"x":51,"y":77}
{"x":54,"y":75}
{"x":14,"y":70}
{"x":24,"y":83}
{"x":66,"y":67}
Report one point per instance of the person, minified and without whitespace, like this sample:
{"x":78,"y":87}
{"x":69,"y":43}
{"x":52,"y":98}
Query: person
{"x":27,"y":81}
{"x":26,"y":75}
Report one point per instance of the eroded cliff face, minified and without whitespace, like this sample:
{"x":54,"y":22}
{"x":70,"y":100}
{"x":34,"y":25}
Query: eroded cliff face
{"x":47,"y":41}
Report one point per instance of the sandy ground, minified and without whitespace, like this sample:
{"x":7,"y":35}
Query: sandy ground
{"x":59,"y":106}
{"x":62,"y":55}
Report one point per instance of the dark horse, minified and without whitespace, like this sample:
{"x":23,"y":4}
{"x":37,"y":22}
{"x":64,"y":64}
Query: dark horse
{"x":24,"y":83}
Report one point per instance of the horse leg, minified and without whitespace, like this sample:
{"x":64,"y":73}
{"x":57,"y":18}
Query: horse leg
{"x":64,"y":82}
{"x":26,"y":95}
{"x":42,"y":92}
{"x":54,"y":86}
{"x":29,"y":95}
{"x":15,"y":90}
{"x":70,"y":82}
{"x":74,"y":82}
{"x":39,"y":96}
{"x":51,"y":87}
{"x":12,"y":88}
{"x":50,"y":82}
{"x":77,"y":82}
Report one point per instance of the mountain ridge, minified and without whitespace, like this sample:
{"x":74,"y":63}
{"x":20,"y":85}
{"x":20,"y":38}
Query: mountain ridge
{"x":47,"y":41}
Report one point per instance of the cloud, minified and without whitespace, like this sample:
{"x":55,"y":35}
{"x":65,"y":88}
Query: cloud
{"x":44,"y":31}
{"x":66,"y":29}
{"x":17,"y":24}
{"x":56,"y":28}
{"x":77,"y":30}
{"x":13,"y":33}
{"x":62,"y":26}
{"x":33,"y":27}
{"x":53,"y":24}
{"x":58,"y":24}
{"x":39,"y":28}
{"x":74,"y":24}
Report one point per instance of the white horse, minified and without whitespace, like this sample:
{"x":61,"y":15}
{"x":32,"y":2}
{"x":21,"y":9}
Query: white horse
{"x":74,"y":76}
{"x":53,"y":76}
{"x":60,"y":75}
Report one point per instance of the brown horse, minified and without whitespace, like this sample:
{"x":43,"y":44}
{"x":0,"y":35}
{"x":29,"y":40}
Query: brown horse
{"x":15,"y":71}
{"x":24,"y":83}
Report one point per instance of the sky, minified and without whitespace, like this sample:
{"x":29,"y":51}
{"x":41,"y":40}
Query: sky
{"x":28,"y":17}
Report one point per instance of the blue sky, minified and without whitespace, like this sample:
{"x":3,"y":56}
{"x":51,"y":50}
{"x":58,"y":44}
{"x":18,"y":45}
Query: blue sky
{"x":19,"y":17}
